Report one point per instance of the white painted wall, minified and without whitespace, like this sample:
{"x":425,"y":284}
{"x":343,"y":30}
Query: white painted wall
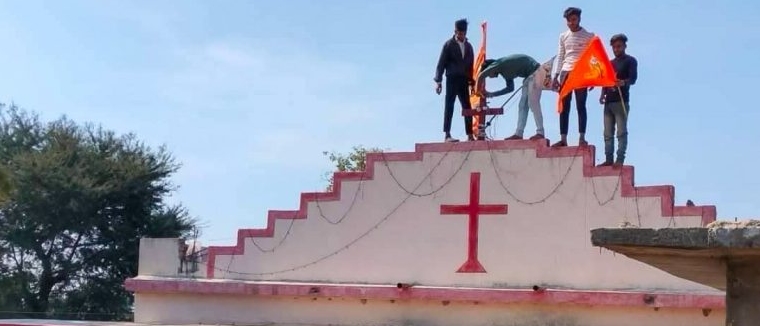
{"x":545,"y":243}
{"x":543,"y":240}
{"x":160,"y":257}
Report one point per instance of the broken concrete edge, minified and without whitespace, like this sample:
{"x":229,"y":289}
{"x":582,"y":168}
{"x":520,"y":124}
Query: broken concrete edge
{"x":719,"y":234}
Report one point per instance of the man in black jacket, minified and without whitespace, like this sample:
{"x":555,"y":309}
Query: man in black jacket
{"x":457,"y":57}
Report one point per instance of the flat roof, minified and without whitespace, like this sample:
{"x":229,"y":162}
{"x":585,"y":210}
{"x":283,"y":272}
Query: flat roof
{"x":695,"y":254}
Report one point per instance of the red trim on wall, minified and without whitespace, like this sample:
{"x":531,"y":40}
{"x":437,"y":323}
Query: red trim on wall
{"x":665,"y":192}
{"x":403,"y":292}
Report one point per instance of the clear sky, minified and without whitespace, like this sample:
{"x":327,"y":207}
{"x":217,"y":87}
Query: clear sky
{"x":247,"y":94}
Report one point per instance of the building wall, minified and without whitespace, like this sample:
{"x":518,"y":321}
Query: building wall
{"x":161,"y":257}
{"x":385,"y":226}
{"x":204,"y":309}
{"x":378,"y":233}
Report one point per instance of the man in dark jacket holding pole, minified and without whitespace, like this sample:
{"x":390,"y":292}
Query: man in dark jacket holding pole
{"x":456,"y":58}
{"x":616,"y":101}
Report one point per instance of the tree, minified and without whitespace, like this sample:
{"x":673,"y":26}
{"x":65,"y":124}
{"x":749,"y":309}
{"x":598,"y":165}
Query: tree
{"x":82,"y":198}
{"x":354,"y":161}
{"x":5,"y":185}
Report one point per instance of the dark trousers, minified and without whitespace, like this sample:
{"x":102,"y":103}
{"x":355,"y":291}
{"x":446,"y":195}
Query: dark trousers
{"x":456,"y":87}
{"x":616,"y":115}
{"x":580,"y":105}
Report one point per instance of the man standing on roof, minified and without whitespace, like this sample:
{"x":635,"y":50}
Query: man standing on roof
{"x":511,"y":67}
{"x":572,"y":42}
{"x":615,"y":100}
{"x":456,"y":58}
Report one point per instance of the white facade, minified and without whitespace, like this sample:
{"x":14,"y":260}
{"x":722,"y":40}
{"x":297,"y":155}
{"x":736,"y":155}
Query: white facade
{"x":340,"y":258}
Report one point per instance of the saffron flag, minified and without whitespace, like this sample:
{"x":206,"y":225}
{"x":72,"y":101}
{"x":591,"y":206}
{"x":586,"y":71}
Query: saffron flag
{"x":548,"y":67}
{"x":593,"y":68}
{"x":475,"y":99}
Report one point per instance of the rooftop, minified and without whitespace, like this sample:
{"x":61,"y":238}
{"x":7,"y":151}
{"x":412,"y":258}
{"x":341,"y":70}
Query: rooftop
{"x":697,"y":254}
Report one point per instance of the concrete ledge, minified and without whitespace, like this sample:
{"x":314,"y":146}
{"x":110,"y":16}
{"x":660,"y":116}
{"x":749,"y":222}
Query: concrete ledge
{"x":728,"y":235}
{"x":724,"y":255}
{"x":696,"y":254}
{"x":686,"y":238}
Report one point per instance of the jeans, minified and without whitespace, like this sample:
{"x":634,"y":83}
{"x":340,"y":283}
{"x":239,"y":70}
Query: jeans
{"x":580,"y":104}
{"x":615,"y":115}
{"x":456,"y":86}
{"x":532,"y":87}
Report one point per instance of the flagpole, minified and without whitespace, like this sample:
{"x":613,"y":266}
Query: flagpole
{"x":622,"y":102}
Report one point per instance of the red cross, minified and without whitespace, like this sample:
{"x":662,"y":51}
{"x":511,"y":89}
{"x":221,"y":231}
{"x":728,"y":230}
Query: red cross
{"x":473,"y":209}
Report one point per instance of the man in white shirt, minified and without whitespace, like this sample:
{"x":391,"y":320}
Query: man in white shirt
{"x":572,"y":42}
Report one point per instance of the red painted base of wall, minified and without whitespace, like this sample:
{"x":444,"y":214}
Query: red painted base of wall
{"x":404,"y":292}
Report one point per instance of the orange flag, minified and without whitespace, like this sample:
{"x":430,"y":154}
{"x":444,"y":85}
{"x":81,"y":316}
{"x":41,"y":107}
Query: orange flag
{"x":475,"y":100}
{"x":593,"y":68}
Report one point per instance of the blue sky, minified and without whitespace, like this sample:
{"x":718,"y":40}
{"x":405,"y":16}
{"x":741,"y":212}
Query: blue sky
{"x":247,"y":94}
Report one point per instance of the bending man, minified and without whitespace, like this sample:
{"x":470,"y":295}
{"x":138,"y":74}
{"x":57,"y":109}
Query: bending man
{"x":511,"y":67}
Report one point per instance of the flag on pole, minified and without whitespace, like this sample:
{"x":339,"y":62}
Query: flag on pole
{"x":593,"y":68}
{"x":548,"y":67}
{"x":475,"y":99}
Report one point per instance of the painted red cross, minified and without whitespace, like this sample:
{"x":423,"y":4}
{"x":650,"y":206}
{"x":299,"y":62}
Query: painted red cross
{"x":473,"y":209}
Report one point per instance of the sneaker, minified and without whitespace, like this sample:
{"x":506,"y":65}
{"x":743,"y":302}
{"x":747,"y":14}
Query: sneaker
{"x":582,"y":142}
{"x":513,"y":137}
{"x":606,"y":163}
{"x":560,"y":143}
{"x":450,"y":139}
{"x":537,"y":137}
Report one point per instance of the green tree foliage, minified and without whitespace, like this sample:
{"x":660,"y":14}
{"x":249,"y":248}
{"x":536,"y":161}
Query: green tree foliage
{"x":355,"y":160}
{"x":5,"y":185}
{"x":69,"y":232}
